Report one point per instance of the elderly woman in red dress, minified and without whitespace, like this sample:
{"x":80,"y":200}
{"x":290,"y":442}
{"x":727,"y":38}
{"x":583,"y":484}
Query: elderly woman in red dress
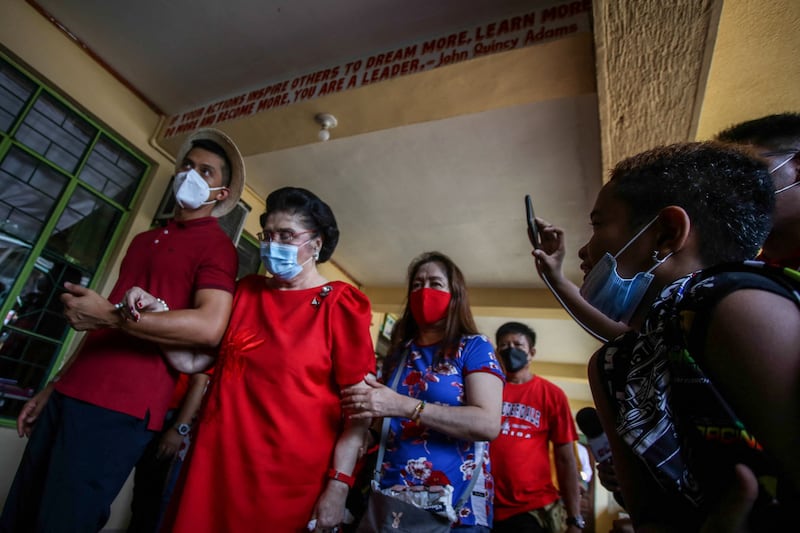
{"x":273,"y":451}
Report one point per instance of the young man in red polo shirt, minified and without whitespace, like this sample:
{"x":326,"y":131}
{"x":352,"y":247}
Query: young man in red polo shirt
{"x":89,"y":426}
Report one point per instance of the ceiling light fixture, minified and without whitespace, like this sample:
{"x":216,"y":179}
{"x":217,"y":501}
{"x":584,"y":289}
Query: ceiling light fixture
{"x":327,"y":121}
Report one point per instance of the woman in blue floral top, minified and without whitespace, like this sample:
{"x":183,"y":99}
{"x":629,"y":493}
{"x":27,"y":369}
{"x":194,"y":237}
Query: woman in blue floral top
{"x":449,"y":395}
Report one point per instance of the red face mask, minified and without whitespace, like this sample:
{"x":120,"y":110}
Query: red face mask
{"x":429,"y":306}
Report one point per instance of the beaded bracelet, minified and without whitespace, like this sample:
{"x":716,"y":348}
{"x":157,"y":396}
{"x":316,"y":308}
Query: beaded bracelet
{"x":120,"y":305}
{"x":162,"y":302}
{"x":418,"y":412}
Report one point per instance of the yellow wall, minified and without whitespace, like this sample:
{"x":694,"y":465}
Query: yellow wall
{"x":755,"y":70}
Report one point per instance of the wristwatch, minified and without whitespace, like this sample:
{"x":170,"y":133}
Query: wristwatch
{"x":183,"y":429}
{"x":576,"y":521}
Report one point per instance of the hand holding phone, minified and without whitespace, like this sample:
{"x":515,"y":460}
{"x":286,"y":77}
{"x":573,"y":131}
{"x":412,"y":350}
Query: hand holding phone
{"x":533,"y":230}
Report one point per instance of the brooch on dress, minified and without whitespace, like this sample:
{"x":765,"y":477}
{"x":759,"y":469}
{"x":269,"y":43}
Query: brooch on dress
{"x":326,"y":290}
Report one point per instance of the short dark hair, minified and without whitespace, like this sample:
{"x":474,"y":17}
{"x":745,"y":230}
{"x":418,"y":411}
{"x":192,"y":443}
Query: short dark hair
{"x":214,"y":148}
{"x":515,"y":328}
{"x":775,"y":132}
{"x":459,"y":321}
{"x":315,"y":214}
{"x":727,"y":193}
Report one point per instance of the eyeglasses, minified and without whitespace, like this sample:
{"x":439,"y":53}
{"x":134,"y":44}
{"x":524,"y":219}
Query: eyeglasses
{"x":283,"y":236}
{"x":786,"y":155}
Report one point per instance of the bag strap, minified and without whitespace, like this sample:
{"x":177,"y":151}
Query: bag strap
{"x":385,"y":433}
{"x":398,"y":371}
{"x":730,"y":277}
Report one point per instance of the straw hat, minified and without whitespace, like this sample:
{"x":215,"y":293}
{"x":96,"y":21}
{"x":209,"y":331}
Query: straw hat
{"x":234,"y":157}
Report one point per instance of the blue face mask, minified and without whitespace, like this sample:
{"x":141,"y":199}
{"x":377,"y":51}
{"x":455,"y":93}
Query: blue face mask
{"x":280,"y":260}
{"x":613,"y":295}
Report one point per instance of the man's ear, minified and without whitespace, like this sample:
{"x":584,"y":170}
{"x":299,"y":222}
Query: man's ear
{"x":532,"y":353}
{"x":222,"y":194}
{"x":674,"y":227}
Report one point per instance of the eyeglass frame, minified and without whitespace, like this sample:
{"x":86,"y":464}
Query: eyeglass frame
{"x":266,"y":236}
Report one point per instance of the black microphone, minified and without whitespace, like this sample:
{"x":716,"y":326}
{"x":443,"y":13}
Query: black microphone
{"x":590,"y":425}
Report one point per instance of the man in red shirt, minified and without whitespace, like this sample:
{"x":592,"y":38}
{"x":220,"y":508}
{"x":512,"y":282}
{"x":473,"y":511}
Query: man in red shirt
{"x":97,"y":416}
{"x":777,"y":139}
{"x":535,"y":413}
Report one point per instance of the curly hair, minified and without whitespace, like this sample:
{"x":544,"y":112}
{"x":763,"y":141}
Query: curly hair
{"x":314,"y":213}
{"x":727,"y":193}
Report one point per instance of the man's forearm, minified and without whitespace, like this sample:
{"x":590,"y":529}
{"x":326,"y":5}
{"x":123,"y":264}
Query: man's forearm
{"x":567,"y":474}
{"x":185,"y":327}
{"x":202,"y":326}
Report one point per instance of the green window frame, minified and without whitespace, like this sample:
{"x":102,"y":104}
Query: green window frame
{"x":67,"y":186}
{"x":249,"y":251}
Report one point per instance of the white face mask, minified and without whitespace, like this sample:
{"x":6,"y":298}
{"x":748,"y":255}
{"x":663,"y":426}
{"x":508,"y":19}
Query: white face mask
{"x":778,"y":167}
{"x":784,"y":189}
{"x":191,"y":190}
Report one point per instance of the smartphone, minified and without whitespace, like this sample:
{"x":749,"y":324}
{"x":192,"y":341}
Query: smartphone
{"x":533,"y":231}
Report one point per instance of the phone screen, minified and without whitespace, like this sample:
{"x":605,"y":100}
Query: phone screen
{"x":533,"y":231}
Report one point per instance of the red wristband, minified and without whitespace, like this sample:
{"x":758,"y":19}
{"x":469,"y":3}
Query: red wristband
{"x":339,"y":476}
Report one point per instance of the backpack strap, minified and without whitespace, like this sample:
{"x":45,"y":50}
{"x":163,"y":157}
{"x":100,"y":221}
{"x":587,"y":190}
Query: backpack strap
{"x":713,"y":284}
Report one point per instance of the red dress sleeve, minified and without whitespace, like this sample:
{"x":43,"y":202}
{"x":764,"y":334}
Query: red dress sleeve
{"x":353,"y":352}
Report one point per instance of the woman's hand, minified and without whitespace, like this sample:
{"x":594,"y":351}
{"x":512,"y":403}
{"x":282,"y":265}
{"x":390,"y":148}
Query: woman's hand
{"x":329,"y":509}
{"x":377,"y":400}
{"x":137,"y":300}
{"x":550,"y":257}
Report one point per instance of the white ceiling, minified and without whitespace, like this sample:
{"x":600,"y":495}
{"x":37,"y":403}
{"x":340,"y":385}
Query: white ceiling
{"x":455,"y":184}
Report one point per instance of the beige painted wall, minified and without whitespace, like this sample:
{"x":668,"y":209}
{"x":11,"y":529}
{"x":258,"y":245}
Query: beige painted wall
{"x":755,"y":69}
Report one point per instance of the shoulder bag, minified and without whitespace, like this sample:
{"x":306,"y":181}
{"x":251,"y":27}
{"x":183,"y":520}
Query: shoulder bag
{"x":418,"y":509}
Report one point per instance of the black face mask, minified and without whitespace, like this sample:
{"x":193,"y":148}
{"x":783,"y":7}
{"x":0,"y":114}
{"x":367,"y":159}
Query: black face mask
{"x":514,"y":359}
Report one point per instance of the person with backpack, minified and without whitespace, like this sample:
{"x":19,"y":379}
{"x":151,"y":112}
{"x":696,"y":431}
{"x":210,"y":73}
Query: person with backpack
{"x":772,"y":138}
{"x":700,"y":399}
